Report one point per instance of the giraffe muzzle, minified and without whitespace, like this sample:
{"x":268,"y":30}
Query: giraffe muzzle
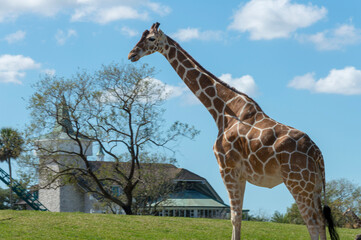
{"x":133,"y":57}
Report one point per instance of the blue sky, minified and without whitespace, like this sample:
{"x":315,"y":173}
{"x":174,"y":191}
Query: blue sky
{"x":300,"y":60}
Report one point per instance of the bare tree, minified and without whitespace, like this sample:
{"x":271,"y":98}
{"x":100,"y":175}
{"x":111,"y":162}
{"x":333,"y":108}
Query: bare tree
{"x":119,"y":109}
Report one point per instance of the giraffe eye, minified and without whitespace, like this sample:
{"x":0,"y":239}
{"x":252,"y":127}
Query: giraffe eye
{"x":151,"y":39}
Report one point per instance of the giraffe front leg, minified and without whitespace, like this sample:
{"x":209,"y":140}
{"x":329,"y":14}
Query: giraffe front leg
{"x":236,"y":188}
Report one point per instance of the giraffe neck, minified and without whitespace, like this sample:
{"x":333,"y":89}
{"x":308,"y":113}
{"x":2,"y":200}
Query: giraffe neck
{"x":213,"y":93}
{"x":355,"y":218}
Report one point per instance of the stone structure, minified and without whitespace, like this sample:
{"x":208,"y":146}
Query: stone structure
{"x":56,"y":150}
{"x":250,"y":145}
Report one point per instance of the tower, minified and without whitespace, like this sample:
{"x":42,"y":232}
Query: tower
{"x":58,"y":151}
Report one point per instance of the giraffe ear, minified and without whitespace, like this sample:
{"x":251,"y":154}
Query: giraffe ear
{"x":155,"y":27}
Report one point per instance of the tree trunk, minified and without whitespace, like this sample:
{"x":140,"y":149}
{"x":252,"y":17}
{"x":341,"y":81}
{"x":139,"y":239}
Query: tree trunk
{"x":127,"y":210}
{"x":11,"y":184}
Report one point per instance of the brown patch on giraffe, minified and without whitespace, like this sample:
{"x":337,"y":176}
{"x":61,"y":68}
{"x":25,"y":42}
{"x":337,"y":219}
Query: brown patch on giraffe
{"x":224,"y":93}
{"x":264,"y":153}
{"x":174,"y":64}
{"x":237,"y":104}
{"x":213,"y":113}
{"x":205,"y":100}
{"x":312,"y":165}
{"x":295,"y":175}
{"x":227,"y":170}
{"x":272,"y":167}
{"x":192,"y":74}
{"x":210,"y":92}
{"x":281,"y":130}
{"x":285,"y":144}
{"x":180,"y":56}
{"x":248,"y":114}
{"x":312,"y":177}
{"x":220,"y":122}
{"x":242,"y":146}
{"x":265,"y":123}
{"x":255,"y":144}
{"x":231,"y":136}
{"x":205,"y":81}
{"x":166,"y":47}
{"x":296,"y":190}
{"x":303,"y":144}
{"x":224,"y":146}
{"x":299,"y":159}
{"x":229,"y":179}
{"x":291,"y":183}
{"x":259,"y":116}
{"x":243,"y":129}
{"x":267,"y":137}
{"x":303,"y":184}
{"x":232,"y":158}
{"x":305,"y":175}
{"x":256,"y":164}
{"x":188,"y":64}
{"x":309,"y":187}
{"x":283,"y":157}
{"x":181,"y":70}
{"x":247,"y":167}
{"x":171,"y":53}
{"x":193,"y":85}
{"x":218,"y":104}
{"x":254,"y":133}
{"x":296,"y":134}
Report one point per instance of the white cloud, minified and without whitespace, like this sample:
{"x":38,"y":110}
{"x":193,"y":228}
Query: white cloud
{"x":100,"y":11}
{"x":13,"y":67}
{"x":61,"y":36}
{"x":345,"y":81}
{"x":169,"y":91}
{"x":129,"y":31}
{"x":269,"y":19}
{"x":107,"y":14}
{"x":159,"y":91}
{"x":245,"y":84}
{"x":49,"y":71}
{"x":187,"y":34}
{"x":15,"y":37}
{"x":334,"y":39}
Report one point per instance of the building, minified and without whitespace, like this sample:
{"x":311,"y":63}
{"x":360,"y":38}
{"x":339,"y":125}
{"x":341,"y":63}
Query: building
{"x":193,"y":196}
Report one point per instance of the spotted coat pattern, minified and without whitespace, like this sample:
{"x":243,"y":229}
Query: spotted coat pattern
{"x":250,"y":145}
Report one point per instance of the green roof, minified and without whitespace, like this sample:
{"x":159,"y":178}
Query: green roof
{"x":192,"y":198}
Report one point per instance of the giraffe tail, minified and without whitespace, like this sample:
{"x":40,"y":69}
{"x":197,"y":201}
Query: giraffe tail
{"x":330,"y":223}
{"x":326,"y":209}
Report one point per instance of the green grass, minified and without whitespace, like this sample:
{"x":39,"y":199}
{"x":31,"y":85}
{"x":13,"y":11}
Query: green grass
{"x":35,"y":225}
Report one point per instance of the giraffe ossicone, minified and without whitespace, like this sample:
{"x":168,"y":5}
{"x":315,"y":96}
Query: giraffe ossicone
{"x":250,"y":145}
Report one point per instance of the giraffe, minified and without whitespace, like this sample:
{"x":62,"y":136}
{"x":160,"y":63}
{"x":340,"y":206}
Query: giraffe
{"x":250,"y":146}
{"x":354,"y":217}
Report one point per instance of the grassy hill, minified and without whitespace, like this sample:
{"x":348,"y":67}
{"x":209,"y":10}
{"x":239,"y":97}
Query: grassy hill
{"x":28,"y":225}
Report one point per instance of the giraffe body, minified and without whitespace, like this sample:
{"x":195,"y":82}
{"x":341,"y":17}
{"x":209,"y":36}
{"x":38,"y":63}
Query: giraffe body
{"x":250,"y":146}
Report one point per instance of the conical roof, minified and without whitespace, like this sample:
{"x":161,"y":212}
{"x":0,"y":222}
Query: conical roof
{"x":63,"y":125}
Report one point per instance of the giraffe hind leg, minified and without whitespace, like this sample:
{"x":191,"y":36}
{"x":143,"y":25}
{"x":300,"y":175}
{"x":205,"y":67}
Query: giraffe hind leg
{"x":307,"y":193}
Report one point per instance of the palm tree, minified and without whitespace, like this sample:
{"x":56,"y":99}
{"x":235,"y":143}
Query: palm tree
{"x":11,"y":146}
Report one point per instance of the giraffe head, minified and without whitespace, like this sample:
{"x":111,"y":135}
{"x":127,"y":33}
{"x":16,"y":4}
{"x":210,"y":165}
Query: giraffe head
{"x":347,"y":212}
{"x":151,"y":41}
